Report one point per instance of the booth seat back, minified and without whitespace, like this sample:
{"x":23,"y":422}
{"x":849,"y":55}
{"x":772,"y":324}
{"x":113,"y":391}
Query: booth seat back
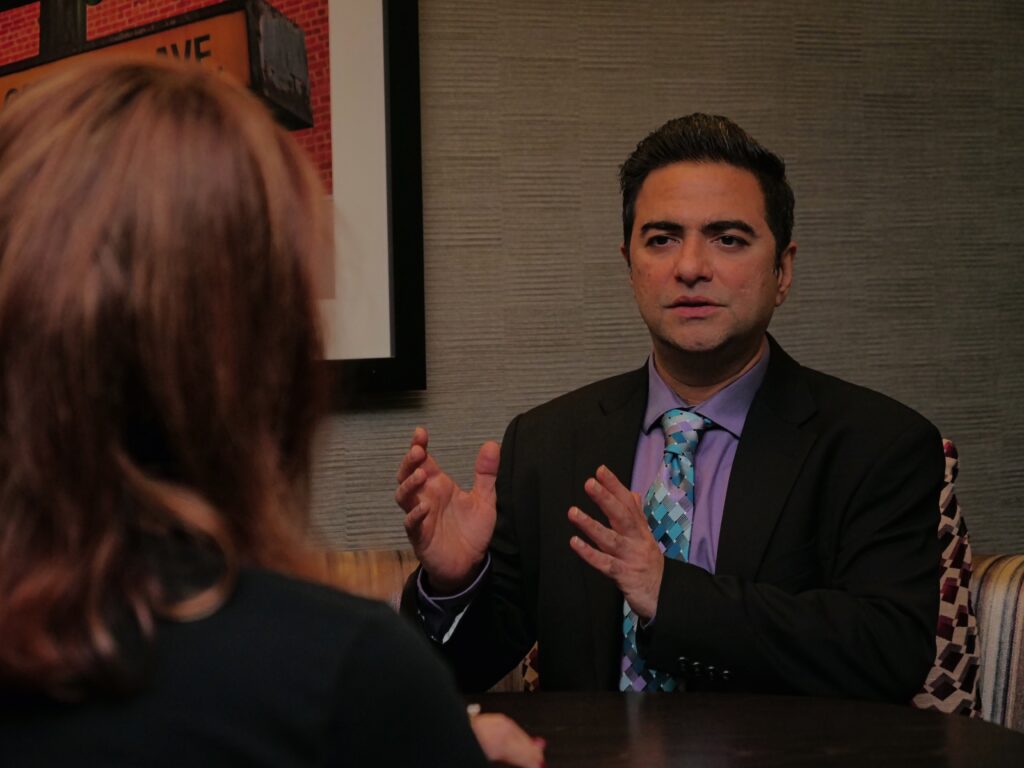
{"x":378,"y":574}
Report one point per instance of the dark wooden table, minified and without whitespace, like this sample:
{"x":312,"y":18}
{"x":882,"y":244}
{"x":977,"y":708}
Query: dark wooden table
{"x":601,"y":730}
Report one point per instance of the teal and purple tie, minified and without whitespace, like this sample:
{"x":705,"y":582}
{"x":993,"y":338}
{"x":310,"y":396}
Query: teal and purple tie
{"x":668,"y":507}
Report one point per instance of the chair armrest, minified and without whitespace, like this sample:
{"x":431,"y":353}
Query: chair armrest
{"x":997,"y":591}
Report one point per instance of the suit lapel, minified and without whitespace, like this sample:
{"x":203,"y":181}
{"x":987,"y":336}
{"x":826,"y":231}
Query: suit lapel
{"x":609,"y":437}
{"x":772,"y":449}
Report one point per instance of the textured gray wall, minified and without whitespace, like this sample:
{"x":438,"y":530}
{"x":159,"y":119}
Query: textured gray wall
{"x":903,"y":127}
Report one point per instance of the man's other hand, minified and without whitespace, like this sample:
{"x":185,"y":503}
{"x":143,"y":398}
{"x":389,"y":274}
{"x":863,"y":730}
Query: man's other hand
{"x":627,"y":552}
{"x":449,"y":528}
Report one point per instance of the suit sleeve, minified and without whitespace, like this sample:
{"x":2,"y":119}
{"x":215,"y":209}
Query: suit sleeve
{"x":867,"y":630}
{"x":497,"y":629}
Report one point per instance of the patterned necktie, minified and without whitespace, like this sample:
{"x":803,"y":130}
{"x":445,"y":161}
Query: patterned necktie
{"x":668,"y":507}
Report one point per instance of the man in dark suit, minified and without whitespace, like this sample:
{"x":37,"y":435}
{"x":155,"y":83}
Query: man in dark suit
{"x":801,"y":554}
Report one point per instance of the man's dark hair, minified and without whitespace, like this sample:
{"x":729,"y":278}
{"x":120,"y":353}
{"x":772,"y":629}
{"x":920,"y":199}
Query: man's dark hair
{"x":711,"y":139}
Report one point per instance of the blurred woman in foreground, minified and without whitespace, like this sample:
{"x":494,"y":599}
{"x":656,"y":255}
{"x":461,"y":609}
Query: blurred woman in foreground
{"x":158,"y":394}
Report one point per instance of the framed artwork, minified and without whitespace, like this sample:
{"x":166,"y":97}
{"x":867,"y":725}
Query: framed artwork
{"x":371,"y":290}
{"x":372,"y":298}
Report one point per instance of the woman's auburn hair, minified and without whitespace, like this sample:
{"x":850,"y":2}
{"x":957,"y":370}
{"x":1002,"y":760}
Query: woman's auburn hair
{"x":158,"y":358}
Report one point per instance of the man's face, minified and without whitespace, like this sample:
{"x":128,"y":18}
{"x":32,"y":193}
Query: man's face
{"x":702,"y":262}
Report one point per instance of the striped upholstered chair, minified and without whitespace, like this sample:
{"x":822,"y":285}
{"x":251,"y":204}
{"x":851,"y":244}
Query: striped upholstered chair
{"x":998,"y":593}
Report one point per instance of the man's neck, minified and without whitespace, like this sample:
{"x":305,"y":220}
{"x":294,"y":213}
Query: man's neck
{"x":696,"y":383}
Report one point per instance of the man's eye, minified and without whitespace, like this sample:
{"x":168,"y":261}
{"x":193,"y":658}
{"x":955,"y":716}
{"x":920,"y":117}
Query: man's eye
{"x":659,"y":240}
{"x":731,"y":241}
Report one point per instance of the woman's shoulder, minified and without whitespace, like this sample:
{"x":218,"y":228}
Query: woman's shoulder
{"x":357,"y":642}
{"x":300,"y":633}
{"x":273,"y":584}
{"x":263,"y":594}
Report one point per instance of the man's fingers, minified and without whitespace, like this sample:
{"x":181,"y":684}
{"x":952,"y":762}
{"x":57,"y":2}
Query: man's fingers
{"x":640,"y":583}
{"x":420,"y":438}
{"x":406,"y":492}
{"x":606,"y":539}
{"x":619,"y":506}
{"x":414,"y":519}
{"x":593,"y":557}
{"x":485,"y":471}
{"x":415,"y":456}
{"x":614,"y":486}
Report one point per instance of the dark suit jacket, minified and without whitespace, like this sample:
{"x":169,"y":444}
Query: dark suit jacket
{"x":827,"y":570}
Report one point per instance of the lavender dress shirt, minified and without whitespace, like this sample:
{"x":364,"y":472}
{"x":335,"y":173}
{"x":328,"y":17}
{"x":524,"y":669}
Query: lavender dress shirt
{"x":712,"y":463}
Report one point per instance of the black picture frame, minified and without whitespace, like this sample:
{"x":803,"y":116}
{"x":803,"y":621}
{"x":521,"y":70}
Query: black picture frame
{"x":353,"y":380}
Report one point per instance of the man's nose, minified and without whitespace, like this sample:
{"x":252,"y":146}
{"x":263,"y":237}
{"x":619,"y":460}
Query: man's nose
{"x":693,"y":262}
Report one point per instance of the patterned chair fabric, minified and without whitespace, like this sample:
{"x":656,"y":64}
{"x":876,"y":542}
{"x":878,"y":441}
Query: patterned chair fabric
{"x":952,"y":683}
{"x":998,"y":593}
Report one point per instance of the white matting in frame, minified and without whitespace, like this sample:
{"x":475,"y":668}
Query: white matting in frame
{"x":357,"y":315}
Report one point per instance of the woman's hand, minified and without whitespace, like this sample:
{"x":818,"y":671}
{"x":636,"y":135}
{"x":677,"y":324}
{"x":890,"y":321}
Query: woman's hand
{"x":505,"y":742}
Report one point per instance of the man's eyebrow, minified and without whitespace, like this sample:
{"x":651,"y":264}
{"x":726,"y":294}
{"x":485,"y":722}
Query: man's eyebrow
{"x":664,"y":226}
{"x":717,"y":227}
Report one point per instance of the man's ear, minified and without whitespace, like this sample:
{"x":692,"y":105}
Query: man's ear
{"x":784,"y":273}
{"x":625,"y":255}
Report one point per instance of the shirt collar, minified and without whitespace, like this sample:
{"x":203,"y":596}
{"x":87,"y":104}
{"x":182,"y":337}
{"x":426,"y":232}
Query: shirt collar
{"x":727,"y":408}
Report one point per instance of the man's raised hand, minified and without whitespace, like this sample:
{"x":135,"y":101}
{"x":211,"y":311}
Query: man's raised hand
{"x":449,"y":528}
{"x":626,"y":552}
